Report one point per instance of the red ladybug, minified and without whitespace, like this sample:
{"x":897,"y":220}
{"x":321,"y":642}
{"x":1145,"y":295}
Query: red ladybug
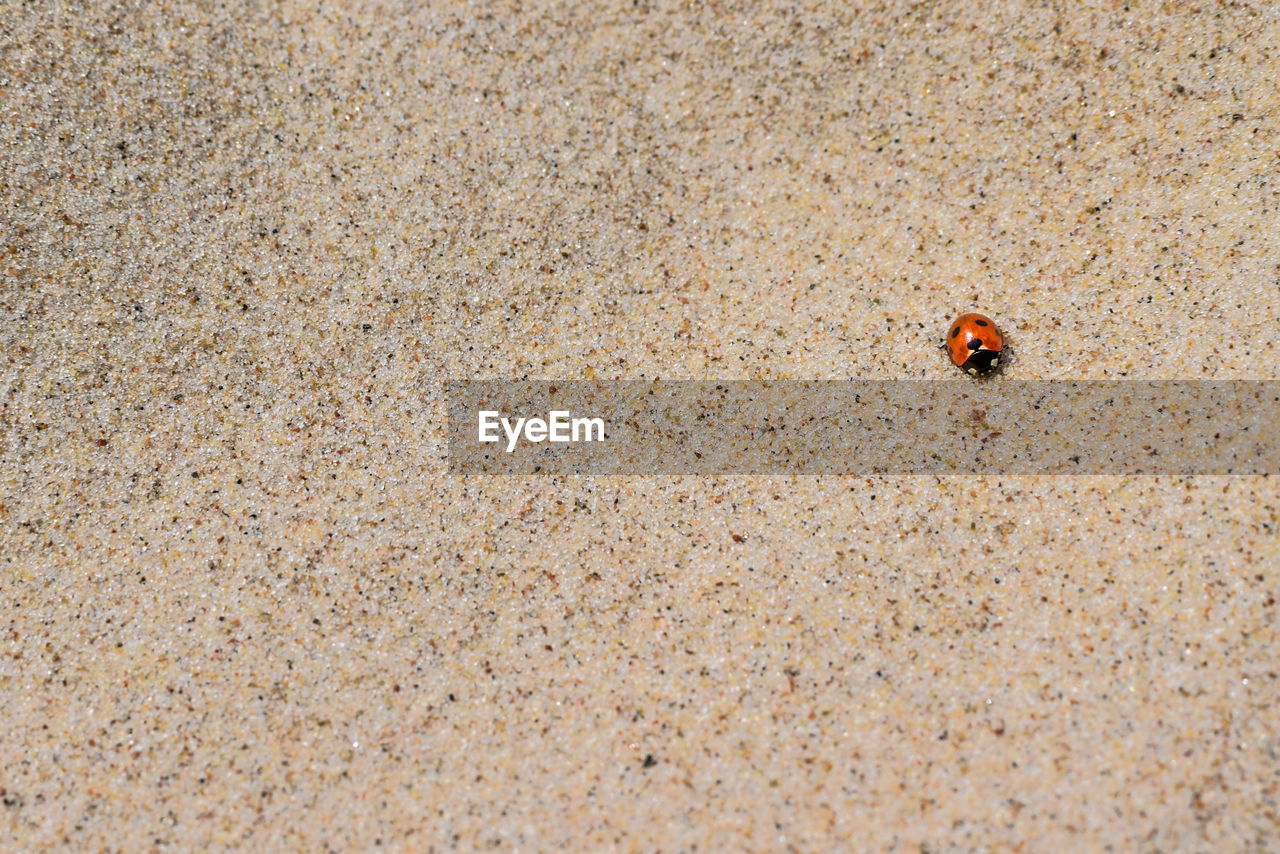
{"x":975,"y":344}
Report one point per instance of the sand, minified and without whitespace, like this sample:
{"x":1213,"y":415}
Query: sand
{"x":246,"y":605}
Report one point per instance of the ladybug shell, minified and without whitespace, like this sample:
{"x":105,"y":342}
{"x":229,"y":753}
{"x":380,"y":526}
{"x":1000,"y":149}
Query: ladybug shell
{"x":974,"y":343}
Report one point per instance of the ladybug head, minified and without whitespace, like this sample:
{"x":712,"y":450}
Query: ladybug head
{"x":982,"y":362}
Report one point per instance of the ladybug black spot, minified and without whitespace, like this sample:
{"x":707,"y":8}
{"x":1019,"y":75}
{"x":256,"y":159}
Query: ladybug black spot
{"x":975,"y":344}
{"x":955,"y":330}
{"x":980,"y":321}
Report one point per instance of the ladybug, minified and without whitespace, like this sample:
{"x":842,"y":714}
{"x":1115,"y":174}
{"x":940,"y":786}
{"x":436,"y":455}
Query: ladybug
{"x":975,"y":344}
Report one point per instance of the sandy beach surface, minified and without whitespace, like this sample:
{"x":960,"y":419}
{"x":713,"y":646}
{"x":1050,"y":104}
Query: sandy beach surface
{"x":244,"y":604}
